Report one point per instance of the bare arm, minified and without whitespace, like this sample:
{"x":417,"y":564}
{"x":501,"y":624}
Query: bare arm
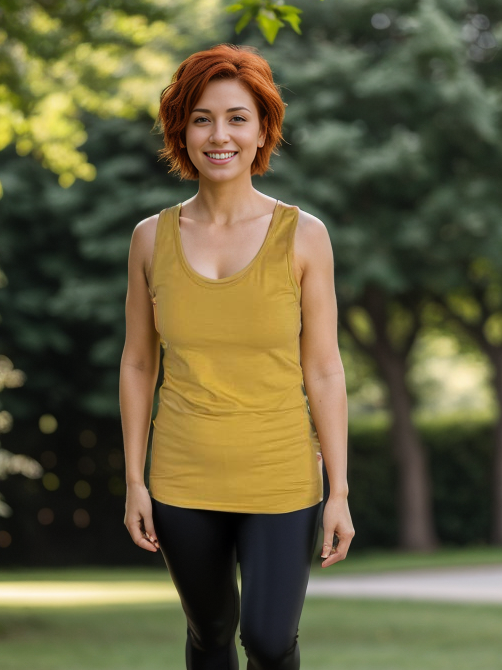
{"x":139,"y":369}
{"x":324,"y":380}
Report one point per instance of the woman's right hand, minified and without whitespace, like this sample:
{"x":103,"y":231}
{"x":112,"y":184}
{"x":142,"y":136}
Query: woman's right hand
{"x":138,"y":517}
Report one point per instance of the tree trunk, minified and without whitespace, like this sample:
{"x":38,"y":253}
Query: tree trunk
{"x":414,"y":496}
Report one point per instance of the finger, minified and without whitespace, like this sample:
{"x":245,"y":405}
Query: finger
{"x":337,"y":554}
{"x":150,"y":530}
{"x":152,"y":538}
{"x":142,"y":541}
{"x":329,"y":541}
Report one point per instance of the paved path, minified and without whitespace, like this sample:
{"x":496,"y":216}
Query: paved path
{"x":472,"y":584}
{"x":469,"y":585}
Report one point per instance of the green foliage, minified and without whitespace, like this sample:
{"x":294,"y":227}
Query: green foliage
{"x":62,"y":59}
{"x":393,"y":130}
{"x":459,"y":455}
{"x":64,"y":307}
{"x":269,"y":15}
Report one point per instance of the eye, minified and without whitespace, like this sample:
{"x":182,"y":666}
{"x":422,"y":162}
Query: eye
{"x":204,"y":118}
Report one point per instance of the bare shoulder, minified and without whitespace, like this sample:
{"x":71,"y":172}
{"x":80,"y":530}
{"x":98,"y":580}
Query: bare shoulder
{"x":312,"y":242}
{"x":142,"y":243}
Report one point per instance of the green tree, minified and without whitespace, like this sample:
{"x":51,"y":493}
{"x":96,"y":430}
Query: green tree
{"x":60,"y":59}
{"x":391,"y":107}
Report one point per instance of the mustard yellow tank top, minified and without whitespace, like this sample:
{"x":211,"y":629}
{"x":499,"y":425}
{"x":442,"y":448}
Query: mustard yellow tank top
{"x":233,"y":430}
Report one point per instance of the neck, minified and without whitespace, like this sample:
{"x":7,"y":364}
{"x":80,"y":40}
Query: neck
{"x":226,"y":203}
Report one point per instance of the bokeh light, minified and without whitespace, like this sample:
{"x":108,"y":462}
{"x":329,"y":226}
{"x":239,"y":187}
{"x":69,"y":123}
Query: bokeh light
{"x":380,"y":21}
{"x":482,"y":42}
{"x":5,"y":539}
{"x":116,"y":485}
{"x":45,"y":516}
{"x":481,"y":21}
{"x":81,"y":518}
{"x":48,"y":424}
{"x":82,"y":489}
{"x":87,"y":438}
{"x":50,"y":481}
{"x":5,"y":421}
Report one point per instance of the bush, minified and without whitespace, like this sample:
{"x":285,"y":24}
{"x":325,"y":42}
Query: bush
{"x":459,"y":454}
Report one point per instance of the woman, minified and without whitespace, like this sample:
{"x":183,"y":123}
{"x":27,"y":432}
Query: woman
{"x":235,"y":285}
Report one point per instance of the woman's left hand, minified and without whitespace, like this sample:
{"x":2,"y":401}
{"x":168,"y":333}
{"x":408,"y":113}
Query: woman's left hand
{"x":336,"y":522}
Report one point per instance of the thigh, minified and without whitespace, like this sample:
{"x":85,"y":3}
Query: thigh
{"x":198,"y":547}
{"x":275,"y":554}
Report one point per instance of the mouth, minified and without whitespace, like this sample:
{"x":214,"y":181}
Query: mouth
{"x":220,"y":157}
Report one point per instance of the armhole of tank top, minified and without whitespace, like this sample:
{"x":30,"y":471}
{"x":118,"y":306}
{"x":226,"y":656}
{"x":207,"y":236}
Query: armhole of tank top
{"x":152,"y":270}
{"x":290,"y":254}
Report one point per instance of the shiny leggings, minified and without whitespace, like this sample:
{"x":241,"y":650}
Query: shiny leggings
{"x":201,"y":549}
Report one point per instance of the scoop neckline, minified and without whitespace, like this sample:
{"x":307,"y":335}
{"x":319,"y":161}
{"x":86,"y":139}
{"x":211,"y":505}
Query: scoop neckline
{"x":202,"y":279}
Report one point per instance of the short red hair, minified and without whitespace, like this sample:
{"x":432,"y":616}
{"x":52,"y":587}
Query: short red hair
{"x":223,"y":61}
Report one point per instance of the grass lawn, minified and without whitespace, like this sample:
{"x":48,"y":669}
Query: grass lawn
{"x":334,"y":633}
{"x":348,"y":634}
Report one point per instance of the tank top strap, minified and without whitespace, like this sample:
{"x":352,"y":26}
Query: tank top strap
{"x":278,"y":260}
{"x":162,"y":249}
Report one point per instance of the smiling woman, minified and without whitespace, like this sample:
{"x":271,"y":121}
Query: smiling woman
{"x":241,"y":286}
{"x":178,"y":100}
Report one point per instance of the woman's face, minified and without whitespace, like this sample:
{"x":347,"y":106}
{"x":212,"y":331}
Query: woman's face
{"x":225,"y":120}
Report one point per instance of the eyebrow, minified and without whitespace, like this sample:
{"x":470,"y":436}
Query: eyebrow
{"x":232,"y":109}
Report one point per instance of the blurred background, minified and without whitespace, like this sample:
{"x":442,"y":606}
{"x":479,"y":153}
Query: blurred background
{"x":393,"y":139}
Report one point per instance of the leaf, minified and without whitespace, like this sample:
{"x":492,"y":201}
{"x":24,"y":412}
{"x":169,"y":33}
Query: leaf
{"x":235,"y":7}
{"x":287,"y":9}
{"x":269,"y":24}
{"x":243,"y":21}
{"x":294,"y":20}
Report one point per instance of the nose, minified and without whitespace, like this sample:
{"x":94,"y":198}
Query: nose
{"x":219,"y":134}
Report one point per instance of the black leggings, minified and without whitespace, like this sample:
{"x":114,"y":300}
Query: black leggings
{"x":201,"y":549}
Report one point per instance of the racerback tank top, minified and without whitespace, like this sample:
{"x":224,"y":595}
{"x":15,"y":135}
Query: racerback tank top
{"x":233,"y":430}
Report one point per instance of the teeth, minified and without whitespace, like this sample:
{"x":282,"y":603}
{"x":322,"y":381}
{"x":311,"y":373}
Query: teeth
{"x":221,"y":156}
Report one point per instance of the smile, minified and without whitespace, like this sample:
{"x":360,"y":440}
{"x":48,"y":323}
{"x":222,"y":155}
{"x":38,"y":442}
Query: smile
{"x":220,"y":157}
